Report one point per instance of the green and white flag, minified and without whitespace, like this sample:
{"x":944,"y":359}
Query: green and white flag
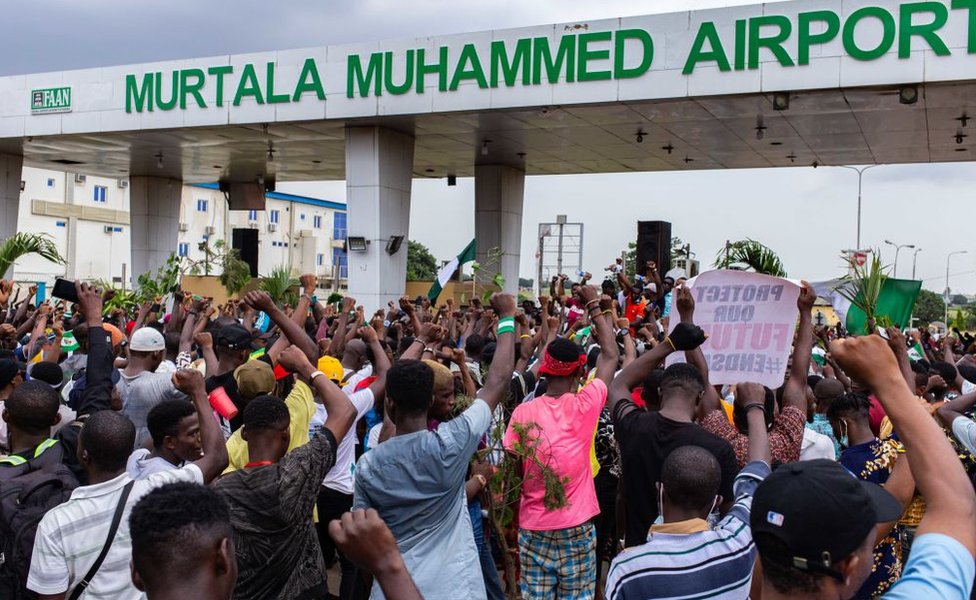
{"x":444,"y":275}
{"x":896,"y":301}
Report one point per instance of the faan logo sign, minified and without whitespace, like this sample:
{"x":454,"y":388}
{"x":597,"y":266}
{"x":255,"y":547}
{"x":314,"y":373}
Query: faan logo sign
{"x":51,"y":100}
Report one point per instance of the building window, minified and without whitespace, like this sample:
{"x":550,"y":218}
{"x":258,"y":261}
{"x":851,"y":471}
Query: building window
{"x":339,"y":258}
{"x":99,"y":193}
{"x":317,"y":221}
{"x":50,"y":182}
{"x":339,"y":226}
{"x":252,"y":215}
{"x":274,"y":216}
{"x":183,"y":249}
{"x":319,"y":259}
{"x":117,"y":229}
{"x":301,"y":217}
{"x":60,"y":224}
{"x":202,"y":205}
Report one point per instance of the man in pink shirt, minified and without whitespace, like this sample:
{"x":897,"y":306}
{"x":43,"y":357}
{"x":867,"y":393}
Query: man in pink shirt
{"x":557,"y":548}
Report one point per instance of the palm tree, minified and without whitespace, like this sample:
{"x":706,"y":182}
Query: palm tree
{"x":21,"y":244}
{"x":750,"y":255}
{"x":280,"y":285}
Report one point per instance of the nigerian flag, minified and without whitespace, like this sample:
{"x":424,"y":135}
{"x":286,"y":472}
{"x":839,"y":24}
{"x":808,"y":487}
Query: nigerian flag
{"x":445,"y":274}
{"x":896,"y":301}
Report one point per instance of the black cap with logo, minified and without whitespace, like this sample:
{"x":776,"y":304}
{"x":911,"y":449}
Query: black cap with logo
{"x":819,"y":512}
{"x":233,"y":336}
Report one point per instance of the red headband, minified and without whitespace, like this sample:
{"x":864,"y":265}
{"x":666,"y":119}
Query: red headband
{"x":558,"y":368}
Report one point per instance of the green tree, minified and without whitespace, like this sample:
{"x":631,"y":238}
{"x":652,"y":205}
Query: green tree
{"x":929,"y":307}
{"x":630,"y":256}
{"x":750,"y":255}
{"x":959,"y":300}
{"x":21,"y":244}
{"x":421,"y":264}
{"x":960,"y":321}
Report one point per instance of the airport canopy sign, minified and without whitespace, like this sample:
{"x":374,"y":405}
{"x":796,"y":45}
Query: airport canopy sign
{"x":784,"y":46}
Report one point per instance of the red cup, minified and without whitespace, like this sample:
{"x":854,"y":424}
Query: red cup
{"x":221,"y":402}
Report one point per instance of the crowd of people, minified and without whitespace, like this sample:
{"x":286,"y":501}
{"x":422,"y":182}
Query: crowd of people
{"x":541,"y":449}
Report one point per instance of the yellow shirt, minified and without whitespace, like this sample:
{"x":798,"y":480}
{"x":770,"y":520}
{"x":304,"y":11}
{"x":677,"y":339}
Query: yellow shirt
{"x":301,"y":407}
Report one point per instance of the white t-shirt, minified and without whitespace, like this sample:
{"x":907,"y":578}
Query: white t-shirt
{"x":816,"y":445}
{"x":142,"y":464}
{"x":340,"y":476}
{"x":71,"y":536}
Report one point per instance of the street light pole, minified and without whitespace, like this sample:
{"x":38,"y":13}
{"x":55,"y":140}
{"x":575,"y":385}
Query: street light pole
{"x":948,"y":256}
{"x":915,"y":260}
{"x":898,"y":248}
{"x":860,"y":173}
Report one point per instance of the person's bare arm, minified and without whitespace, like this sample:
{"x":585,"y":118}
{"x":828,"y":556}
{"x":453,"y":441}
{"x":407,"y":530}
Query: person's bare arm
{"x":498,"y":381}
{"x":205,"y":341}
{"x":949,"y":498}
{"x":214,"y":460}
{"x":189,"y":324}
{"x":141,"y":316}
{"x":795,"y":391}
{"x":338,"y":345}
{"x":381,"y":362}
{"x":595,"y":305}
{"x":956,"y":408}
{"x":365,"y":539}
{"x":341,"y":413}
{"x":752,"y":398}
{"x":950,"y":358}
{"x":630,"y":350}
{"x":901,"y":485}
{"x":898,"y":344}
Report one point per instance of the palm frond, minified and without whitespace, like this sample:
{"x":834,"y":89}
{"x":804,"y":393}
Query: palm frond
{"x":280,"y":285}
{"x":862,"y":286}
{"x":750,"y":255}
{"x":22,"y":244}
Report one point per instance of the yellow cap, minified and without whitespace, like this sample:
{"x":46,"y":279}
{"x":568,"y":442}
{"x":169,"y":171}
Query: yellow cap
{"x":331,"y":368}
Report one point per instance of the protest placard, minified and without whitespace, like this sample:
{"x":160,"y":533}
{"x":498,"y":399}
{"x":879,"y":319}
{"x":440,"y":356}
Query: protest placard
{"x":749,"y":319}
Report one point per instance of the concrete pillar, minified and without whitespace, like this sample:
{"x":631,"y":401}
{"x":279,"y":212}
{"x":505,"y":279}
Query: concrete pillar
{"x":154,"y":218}
{"x":498,"y":194}
{"x":379,"y":174}
{"x":10,"y":176}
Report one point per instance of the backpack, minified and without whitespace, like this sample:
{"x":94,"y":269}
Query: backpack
{"x":28,"y":489}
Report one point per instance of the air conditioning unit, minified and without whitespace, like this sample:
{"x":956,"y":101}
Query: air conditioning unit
{"x":306,"y":233}
{"x":272,"y":227}
{"x":252,"y":224}
{"x":79,"y":178}
{"x":184,"y":226}
{"x":23,"y":185}
{"x":123,"y":183}
{"x":108,"y":229}
{"x":210,"y":230}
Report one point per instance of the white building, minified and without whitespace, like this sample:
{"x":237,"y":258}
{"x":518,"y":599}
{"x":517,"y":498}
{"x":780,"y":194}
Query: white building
{"x":88,"y":218}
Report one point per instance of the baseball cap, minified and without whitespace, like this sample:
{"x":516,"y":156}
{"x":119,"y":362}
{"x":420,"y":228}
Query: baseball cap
{"x":331,"y":368}
{"x":254,"y":378}
{"x":147,"y":339}
{"x":115,"y":332}
{"x":818,"y":512}
{"x":234,"y":336}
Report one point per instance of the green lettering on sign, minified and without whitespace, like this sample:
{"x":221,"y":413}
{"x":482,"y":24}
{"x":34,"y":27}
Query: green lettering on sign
{"x":887,"y":37}
{"x":388,"y":74}
{"x":970,"y":7}
{"x":927,"y":31}
{"x":193,"y":89}
{"x":542,"y":59}
{"x":647,"y":53}
{"x":248,"y":86}
{"x":805,"y":36}
{"x":706,"y":33}
{"x":774,"y":42}
{"x":171,"y":103}
{"x":586,"y":55}
{"x":519,"y":62}
{"x":136,"y":96}
{"x":373,"y":75}
{"x":440,"y":67}
{"x":220,"y":71}
{"x":272,"y":97}
{"x":309,"y":81}
{"x":468,"y":67}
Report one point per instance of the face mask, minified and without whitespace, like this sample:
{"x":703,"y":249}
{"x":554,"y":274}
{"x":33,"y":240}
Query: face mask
{"x":660,"y":505}
{"x":843,"y":441}
{"x":713,"y":516}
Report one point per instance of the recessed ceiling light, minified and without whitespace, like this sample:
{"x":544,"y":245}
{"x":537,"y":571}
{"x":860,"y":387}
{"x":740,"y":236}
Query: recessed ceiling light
{"x":775,"y":143}
{"x":961,"y":149}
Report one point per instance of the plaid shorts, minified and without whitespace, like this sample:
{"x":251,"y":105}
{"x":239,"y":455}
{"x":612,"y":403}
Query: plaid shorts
{"x":558,"y":564}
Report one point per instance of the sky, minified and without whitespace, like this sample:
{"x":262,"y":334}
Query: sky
{"x":806,"y":215}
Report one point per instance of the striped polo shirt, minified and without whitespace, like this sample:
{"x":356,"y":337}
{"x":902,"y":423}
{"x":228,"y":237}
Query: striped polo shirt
{"x":71,"y":535}
{"x":713,"y":563}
